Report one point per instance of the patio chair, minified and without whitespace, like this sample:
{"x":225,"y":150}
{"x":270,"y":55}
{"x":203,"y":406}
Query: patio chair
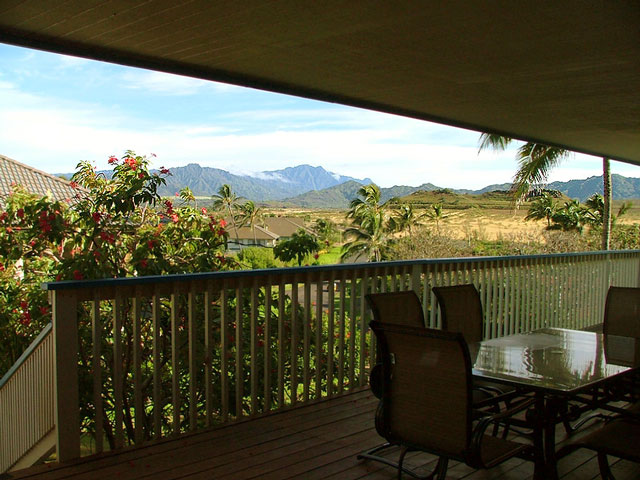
{"x":622,"y":312}
{"x":619,"y":437}
{"x":622,"y":318}
{"x":426,"y":401}
{"x":461,"y":311}
{"x":398,"y":308}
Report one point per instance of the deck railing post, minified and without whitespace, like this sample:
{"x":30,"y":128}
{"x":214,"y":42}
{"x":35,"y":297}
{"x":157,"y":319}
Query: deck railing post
{"x":65,"y":332}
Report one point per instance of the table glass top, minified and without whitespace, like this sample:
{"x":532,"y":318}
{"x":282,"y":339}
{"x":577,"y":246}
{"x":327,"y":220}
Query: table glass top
{"x":554,"y":359}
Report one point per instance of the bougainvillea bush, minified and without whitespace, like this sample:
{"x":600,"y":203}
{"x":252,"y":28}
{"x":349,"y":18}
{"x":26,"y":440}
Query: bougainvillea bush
{"x":114,"y":227}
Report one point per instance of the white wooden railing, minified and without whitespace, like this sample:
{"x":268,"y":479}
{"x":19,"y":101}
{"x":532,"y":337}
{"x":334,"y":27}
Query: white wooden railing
{"x":26,"y":404}
{"x":143,"y":358}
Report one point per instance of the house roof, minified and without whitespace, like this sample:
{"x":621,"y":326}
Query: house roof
{"x":32,"y":180}
{"x":245,"y":233}
{"x":565,"y":73}
{"x":284,"y":226}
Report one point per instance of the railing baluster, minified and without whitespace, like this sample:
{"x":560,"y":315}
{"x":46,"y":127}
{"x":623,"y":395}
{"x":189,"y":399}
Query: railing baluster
{"x":352,"y":331}
{"x":96,"y":364}
{"x":157,"y":368}
{"x":193,"y":357}
{"x":208,"y":353}
{"x":253,"y":329}
{"x":175,"y":368}
{"x":281,"y":342}
{"x":305,"y":340}
{"x":330,"y":333}
{"x":266,"y":339}
{"x":239,"y":379}
{"x":294,"y":341}
{"x":224,"y":353}
{"x":137,"y":372}
{"x":318,"y":338}
{"x":118,"y":379}
{"x":364,"y":285}
{"x":342,"y":329}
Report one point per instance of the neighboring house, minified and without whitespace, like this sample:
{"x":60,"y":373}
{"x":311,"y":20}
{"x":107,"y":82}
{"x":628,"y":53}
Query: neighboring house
{"x":272,"y":230}
{"x":32,"y":180}
{"x":245,"y":237}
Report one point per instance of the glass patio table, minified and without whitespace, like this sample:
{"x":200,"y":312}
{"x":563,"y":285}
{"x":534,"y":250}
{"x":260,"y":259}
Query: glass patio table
{"x":555,"y":364}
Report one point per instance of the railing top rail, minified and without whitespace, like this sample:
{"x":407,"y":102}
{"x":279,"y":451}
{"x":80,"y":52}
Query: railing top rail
{"x":159,"y":279}
{"x":36,"y":342}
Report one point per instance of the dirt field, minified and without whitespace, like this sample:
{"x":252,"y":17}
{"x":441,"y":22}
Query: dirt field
{"x":483,"y":223}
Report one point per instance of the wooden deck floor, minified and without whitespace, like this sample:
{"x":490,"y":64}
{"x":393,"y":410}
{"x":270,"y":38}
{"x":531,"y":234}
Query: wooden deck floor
{"x":318,"y":441}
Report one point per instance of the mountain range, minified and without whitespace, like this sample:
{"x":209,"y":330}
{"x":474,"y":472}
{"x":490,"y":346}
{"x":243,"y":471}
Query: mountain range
{"x":315,"y":187}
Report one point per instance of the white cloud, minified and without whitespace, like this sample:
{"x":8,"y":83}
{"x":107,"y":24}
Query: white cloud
{"x":167,"y":84}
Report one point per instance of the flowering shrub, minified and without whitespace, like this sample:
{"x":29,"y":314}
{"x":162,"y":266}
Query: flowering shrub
{"x":115,"y":227}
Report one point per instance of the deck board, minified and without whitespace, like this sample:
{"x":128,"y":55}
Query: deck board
{"x":317,"y":441}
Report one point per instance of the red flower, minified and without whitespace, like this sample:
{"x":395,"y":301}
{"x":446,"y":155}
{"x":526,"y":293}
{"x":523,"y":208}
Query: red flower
{"x":74,"y":185}
{"x":131,"y":162}
{"x":20,"y":213}
{"x":150,"y":244}
{"x":24,"y":305}
{"x":169,"y":205}
{"x":112,"y":160}
{"x":44,"y":310}
{"x":1,"y":268}
{"x":204,"y":211}
{"x":3,"y":216}
{"x":96,"y":217}
{"x":223,"y":223}
{"x":9,"y":230}
{"x":32,"y":243}
{"x":164,"y":171}
{"x":141,"y":175}
{"x":175,"y":218}
{"x":77,"y":275}
{"x":316,"y":256}
{"x":177,"y":194}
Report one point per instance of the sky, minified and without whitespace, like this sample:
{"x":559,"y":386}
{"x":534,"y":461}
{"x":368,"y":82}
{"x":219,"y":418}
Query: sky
{"x":57,"y":110}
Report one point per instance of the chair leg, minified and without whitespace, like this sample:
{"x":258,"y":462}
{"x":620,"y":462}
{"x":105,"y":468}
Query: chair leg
{"x":403,"y":452}
{"x":441,"y":468}
{"x":371,"y":455}
{"x":605,"y":471}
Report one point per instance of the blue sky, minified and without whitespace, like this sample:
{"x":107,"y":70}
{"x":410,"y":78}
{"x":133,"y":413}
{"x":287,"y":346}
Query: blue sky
{"x":57,"y":110}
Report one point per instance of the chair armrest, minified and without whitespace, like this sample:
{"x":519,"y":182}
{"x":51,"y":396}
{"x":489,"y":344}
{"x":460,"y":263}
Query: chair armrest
{"x":484,"y":422}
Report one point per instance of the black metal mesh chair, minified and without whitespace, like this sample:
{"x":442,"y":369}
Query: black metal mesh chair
{"x":427,"y":400}
{"x":396,"y":308}
{"x":619,"y":437}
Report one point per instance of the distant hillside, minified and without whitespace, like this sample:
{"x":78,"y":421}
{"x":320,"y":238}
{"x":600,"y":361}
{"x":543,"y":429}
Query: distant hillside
{"x":263,"y":186}
{"x":340,"y":196}
{"x":623,"y":187}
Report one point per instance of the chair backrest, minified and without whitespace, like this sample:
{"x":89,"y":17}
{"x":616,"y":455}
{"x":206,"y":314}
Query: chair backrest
{"x":398,"y":308}
{"x":426,"y":401}
{"x":622,"y":312}
{"x":461,"y":310}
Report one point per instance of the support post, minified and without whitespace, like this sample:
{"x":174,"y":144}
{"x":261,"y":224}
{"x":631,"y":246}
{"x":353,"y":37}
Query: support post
{"x":65,"y":333}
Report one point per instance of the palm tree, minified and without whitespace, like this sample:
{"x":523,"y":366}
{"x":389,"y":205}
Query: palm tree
{"x":227,"y":200}
{"x":436,"y":214}
{"x":536,"y":162}
{"x":405,"y":219}
{"x":544,"y":207}
{"x":250,"y":214}
{"x":368,"y":233}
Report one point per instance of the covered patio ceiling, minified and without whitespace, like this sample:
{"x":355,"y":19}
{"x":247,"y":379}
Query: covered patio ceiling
{"x":565,"y":73}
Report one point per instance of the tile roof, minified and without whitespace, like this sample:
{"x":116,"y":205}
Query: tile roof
{"x":33,"y":180}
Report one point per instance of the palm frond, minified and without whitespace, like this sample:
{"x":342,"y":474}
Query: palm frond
{"x":493,"y":141}
{"x":535,"y":162}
